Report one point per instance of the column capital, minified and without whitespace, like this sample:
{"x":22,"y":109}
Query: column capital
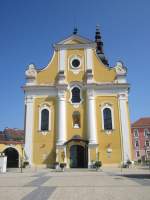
{"x":61,"y":95}
{"x":29,"y":99}
{"x":123,"y":96}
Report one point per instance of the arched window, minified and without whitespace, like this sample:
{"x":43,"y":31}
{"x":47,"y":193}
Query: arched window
{"x":107,"y":117}
{"x":44,"y":120}
{"x":76,"y":119}
{"x":75,"y":95}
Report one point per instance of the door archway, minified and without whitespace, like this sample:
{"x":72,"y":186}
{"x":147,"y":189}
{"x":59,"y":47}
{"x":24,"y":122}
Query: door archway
{"x":12,"y":157}
{"x":78,"y":156}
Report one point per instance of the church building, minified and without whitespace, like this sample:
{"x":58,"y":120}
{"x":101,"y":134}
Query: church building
{"x":76,"y":108}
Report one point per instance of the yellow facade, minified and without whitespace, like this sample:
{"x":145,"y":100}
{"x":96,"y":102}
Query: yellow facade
{"x":109,"y":145}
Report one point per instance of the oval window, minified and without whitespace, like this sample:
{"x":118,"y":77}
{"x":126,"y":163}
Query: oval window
{"x":75,"y":62}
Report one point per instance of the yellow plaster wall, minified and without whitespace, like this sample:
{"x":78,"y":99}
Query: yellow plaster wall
{"x":113,"y":139}
{"x":44,"y":145}
{"x":49,"y":74}
{"x":101,"y":72}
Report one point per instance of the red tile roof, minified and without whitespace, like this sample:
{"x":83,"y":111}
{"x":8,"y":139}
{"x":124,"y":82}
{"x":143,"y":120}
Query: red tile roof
{"x":141,"y":122}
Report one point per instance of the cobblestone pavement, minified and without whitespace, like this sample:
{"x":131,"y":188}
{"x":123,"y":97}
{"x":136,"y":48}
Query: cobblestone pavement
{"x":45,"y":184}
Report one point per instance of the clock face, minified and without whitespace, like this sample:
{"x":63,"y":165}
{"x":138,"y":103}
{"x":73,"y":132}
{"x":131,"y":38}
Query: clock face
{"x":75,"y":63}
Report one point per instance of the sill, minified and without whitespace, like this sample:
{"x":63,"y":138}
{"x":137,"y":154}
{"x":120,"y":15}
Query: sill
{"x":44,"y":132}
{"x":108,"y":132}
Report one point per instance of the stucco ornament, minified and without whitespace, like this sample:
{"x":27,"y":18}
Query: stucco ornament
{"x":120,"y":68}
{"x":31,"y":72}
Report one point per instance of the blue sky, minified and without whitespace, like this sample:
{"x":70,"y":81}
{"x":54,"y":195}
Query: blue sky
{"x":28,"y":28}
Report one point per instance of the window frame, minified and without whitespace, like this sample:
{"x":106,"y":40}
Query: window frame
{"x":76,"y":104}
{"x":145,"y":134}
{"x":147,"y":142}
{"x":112,"y":116}
{"x":43,"y":107}
{"x":136,"y":132}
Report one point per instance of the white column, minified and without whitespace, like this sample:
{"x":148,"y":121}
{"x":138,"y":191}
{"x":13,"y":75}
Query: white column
{"x":91,"y":120}
{"x":29,"y":102}
{"x":61,"y":118}
{"x":125,"y":129}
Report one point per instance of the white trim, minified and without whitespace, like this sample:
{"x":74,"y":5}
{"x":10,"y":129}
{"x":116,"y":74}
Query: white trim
{"x":75,"y":57}
{"x":125,"y":130}
{"x":50,"y":91}
{"x":89,"y":58}
{"x":42,"y":107}
{"x":62,"y":59}
{"x":91,"y":118}
{"x":107,"y":105}
{"x":70,"y":90}
{"x":29,"y":101}
{"x":81,"y":39}
{"x":61,"y":118}
{"x":75,"y":70}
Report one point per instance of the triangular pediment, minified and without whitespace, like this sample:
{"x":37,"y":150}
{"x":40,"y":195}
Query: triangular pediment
{"x":75,"y":39}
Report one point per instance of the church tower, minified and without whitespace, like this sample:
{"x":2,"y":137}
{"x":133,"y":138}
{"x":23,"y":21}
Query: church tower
{"x":76,"y":108}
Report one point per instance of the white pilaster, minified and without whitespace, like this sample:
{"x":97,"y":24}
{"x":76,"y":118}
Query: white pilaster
{"x":91,"y":118}
{"x":62,"y":59}
{"x":89,"y":58}
{"x":125,"y":129}
{"x":61,"y":118}
{"x":29,"y":121}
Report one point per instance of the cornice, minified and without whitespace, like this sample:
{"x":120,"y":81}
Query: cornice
{"x":75,"y":46}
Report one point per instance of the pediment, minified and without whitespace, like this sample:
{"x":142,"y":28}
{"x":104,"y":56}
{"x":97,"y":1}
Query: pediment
{"x":75,"y":39}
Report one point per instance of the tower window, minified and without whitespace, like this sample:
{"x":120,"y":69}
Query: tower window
{"x":44,"y":120}
{"x":75,"y":95}
{"x":107,"y":117}
{"x":76,"y":119}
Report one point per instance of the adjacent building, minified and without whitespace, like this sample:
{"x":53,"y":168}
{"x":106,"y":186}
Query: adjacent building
{"x":76,"y":107}
{"x":11,"y":145}
{"x":140,"y":131}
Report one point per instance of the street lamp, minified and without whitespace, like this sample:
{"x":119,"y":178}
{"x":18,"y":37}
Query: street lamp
{"x":145,"y":148}
{"x":22,"y":149}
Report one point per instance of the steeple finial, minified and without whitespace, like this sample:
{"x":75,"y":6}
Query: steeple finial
{"x":75,"y":30}
{"x":99,"y":48}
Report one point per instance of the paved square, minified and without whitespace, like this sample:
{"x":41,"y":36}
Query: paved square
{"x":46,"y":184}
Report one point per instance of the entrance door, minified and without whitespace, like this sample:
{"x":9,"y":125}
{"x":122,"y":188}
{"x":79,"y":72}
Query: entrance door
{"x":78,"y":157}
{"x":12,"y":157}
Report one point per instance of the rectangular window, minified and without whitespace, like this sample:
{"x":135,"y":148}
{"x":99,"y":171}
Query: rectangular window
{"x":146,"y":133}
{"x":147,"y":143}
{"x":136,"y":133}
{"x":136,"y":143}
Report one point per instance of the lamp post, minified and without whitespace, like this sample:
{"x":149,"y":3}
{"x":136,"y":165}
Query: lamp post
{"x":145,"y":148}
{"x":22,"y":149}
